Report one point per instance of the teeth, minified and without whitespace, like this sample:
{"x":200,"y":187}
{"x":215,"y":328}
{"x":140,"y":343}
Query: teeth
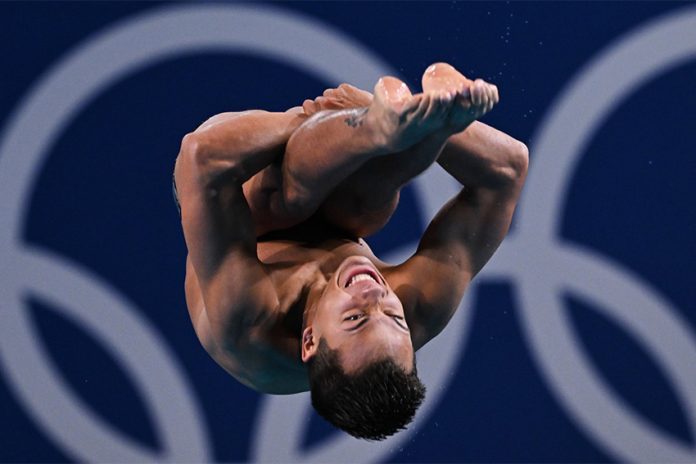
{"x":360,"y":278}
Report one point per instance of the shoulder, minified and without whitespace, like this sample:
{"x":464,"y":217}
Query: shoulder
{"x":259,"y":360}
{"x":268,"y":368}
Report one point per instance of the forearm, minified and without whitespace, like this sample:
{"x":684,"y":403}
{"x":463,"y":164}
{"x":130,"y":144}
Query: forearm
{"x":324,"y":151}
{"x":482,"y":156}
{"x":237,"y":145}
{"x":213,"y":163}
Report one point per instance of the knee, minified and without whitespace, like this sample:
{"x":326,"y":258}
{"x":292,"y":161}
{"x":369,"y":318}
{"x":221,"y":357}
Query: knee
{"x":359,"y":215}
{"x":297,"y":204}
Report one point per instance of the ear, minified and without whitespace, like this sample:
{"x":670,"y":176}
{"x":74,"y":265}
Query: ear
{"x":309,"y":347}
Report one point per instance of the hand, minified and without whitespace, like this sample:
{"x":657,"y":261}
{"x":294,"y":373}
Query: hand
{"x":474,"y":98}
{"x":344,"y":97}
{"x":473,"y":101}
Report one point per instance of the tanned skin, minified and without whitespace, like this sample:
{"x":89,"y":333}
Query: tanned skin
{"x":260,"y":307}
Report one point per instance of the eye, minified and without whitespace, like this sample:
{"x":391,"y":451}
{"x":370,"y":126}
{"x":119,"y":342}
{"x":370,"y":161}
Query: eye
{"x":354,"y":317}
{"x":399,"y":321}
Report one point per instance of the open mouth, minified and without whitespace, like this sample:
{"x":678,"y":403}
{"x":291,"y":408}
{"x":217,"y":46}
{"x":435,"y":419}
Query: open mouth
{"x":361,"y":274}
{"x":360,"y":278}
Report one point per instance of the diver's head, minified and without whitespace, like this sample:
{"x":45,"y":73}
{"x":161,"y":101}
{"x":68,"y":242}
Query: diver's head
{"x":360,"y":358}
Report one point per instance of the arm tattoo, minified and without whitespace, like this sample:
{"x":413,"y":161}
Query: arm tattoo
{"x":356,"y":118}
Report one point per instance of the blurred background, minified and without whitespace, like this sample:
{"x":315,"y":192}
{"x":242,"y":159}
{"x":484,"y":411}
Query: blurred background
{"x":576,"y":344}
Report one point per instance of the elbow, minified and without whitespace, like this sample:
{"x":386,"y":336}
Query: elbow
{"x":297,"y":203}
{"x":209,"y":168}
{"x":515,"y":169}
{"x":192,"y":150}
{"x":520,"y":160}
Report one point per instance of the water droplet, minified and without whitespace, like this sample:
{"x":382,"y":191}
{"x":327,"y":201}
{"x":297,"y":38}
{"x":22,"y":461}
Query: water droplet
{"x":541,"y":43}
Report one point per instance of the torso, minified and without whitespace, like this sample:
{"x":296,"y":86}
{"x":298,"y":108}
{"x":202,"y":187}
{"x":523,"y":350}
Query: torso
{"x":304,"y":255}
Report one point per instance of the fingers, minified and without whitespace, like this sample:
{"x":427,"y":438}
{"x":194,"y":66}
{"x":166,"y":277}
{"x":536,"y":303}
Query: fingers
{"x":417,"y":105}
{"x":484,"y":96}
{"x":309,"y":107}
{"x":344,"y":96}
{"x":433,"y":106}
{"x":443,"y":104}
{"x":493,"y":98}
{"x":496,"y":95}
{"x":326,"y":103}
{"x":478,"y":93}
{"x":352,"y":90}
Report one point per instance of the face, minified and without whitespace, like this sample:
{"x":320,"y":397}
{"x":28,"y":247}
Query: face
{"x":358,"y":314}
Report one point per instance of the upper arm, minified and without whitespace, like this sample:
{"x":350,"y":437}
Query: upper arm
{"x":247,"y":359}
{"x":458,"y":242}
{"x":220,"y":237}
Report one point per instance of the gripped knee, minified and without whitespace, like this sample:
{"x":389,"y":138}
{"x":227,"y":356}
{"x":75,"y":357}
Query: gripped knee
{"x":520,"y":158}
{"x":297,"y":204}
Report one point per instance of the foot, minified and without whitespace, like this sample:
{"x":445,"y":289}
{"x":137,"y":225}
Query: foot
{"x":402,"y":119}
{"x":473,"y":98}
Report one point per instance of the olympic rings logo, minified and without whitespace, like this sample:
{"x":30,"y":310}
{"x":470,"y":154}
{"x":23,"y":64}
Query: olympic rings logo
{"x":315,"y":48}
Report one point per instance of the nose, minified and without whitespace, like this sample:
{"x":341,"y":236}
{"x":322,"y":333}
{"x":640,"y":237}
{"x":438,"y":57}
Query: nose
{"x":373,"y":293}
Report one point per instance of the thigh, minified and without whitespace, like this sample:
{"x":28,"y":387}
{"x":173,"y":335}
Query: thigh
{"x":365,"y":201}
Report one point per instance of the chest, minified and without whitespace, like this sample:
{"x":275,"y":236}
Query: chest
{"x":295,"y":267}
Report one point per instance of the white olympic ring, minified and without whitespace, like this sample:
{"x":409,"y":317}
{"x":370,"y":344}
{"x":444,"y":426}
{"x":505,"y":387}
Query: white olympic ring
{"x":624,"y":297}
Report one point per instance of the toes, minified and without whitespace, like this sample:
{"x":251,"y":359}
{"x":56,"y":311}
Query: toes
{"x":392,"y":88}
{"x":441,"y":76}
{"x":392,"y":91}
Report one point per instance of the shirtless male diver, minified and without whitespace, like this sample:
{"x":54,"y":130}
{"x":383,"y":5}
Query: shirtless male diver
{"x":283,"y":292}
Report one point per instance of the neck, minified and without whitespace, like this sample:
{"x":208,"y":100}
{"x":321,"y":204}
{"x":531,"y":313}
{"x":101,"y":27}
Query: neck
{"x":314,"y":229}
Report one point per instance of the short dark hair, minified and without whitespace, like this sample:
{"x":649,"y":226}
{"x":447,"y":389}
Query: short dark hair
{"x":376,"y":401}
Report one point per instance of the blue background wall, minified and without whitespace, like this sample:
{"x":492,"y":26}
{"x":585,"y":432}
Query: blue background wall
{"x":577,"y":344}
